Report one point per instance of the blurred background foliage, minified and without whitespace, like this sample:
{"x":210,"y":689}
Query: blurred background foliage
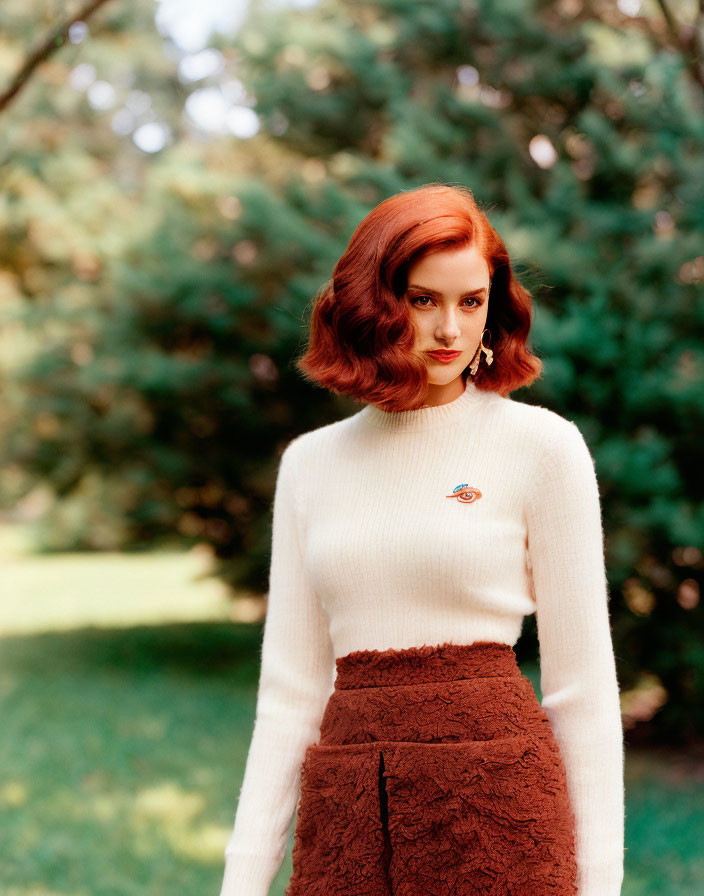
{"x":156,"y":275}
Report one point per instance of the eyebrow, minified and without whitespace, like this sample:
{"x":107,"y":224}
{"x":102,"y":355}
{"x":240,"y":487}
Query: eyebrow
{"x":434,"y":292}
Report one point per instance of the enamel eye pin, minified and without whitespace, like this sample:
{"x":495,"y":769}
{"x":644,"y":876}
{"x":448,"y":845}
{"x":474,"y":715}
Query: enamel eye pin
{"x":467,"y":494}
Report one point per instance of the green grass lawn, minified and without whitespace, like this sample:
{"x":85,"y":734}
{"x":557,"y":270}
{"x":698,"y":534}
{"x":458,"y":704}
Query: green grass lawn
{"x":127,"y":698}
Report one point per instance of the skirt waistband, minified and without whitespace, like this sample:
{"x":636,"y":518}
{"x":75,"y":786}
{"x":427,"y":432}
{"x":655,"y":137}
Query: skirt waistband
{"x":425,"y":664}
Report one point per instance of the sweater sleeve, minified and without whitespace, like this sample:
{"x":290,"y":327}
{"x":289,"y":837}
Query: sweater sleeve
{"x":296,"y":676}
{"x":580,"y":691}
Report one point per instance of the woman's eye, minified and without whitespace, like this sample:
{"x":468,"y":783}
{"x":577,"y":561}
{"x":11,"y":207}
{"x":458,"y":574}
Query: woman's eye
{"x":419,"y":298}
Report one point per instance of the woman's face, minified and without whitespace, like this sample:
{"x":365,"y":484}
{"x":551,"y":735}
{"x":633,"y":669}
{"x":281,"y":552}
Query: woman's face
{"x":448,"y":299}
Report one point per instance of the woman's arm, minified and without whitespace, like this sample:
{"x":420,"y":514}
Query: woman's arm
{"x":580,"y":692}
{"x":297,"y":675}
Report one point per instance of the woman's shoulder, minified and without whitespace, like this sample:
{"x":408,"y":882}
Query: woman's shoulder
{"x":306,"y":445}
{"x":539,"y":418}
{"x":554,"y":438}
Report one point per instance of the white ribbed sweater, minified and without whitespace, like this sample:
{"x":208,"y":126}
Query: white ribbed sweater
{"x":369,"y":553}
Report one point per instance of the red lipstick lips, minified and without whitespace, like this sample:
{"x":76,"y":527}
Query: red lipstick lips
{"x":444,"y":356}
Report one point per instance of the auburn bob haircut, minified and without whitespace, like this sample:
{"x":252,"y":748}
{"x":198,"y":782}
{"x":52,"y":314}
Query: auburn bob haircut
{"x":362,"y":337}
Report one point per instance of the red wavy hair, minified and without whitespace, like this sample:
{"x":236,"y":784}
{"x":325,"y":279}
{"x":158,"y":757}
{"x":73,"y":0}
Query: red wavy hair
{"x":361,"y":341}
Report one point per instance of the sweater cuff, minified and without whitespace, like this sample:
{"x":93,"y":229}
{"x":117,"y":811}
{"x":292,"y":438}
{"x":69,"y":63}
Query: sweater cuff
{"x":248,"y":874}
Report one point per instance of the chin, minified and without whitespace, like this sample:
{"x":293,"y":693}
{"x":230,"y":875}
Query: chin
{"x":437,"y":379}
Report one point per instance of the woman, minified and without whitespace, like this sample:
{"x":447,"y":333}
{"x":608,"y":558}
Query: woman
{"x":409,"y":542}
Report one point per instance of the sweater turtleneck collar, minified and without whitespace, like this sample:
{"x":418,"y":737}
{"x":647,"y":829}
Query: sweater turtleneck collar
{"x":429,"y":417}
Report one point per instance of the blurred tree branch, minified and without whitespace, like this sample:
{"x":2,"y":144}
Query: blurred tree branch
{"x":686,"y":39}
{"x":45,"y":49}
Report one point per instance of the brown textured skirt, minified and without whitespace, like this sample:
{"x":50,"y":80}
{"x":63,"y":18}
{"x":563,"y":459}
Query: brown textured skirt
{"x":436,"y":773}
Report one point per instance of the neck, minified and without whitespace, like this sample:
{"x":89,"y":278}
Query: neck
{"x":443,"y":394}
{"x":430,"y":416}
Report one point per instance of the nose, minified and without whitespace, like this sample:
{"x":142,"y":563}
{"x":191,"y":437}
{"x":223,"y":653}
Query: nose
{"x":447,"y":328}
